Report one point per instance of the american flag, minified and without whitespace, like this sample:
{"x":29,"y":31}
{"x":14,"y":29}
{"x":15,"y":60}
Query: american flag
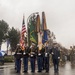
{"x":23,"y":27}
{"x":22,"y":37}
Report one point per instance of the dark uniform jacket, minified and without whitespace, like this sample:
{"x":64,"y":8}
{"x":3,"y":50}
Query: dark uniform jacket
{"x":43,"y":51}
{"x":32,"y":52}
{"x":39,"y":53}
{"x":26,"y":52}
{"x":18,"y":53}
{"x":55,"y":53}
{"x":47,"y":52}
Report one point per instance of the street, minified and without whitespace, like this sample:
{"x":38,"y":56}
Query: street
{"x":65,"y":70}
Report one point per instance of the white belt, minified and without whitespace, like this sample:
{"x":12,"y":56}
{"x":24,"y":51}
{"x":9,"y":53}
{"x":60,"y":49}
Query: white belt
{"x":19,"y":53}
{"x":24,"y":53}
{"x":39,"y":54}
{"x":46,"y":54}
{"x":31,"y":55}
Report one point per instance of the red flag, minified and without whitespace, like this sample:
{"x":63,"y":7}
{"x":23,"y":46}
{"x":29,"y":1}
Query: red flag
{"x":22,"y":38}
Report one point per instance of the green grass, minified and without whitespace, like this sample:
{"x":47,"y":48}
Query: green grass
{"x":9,"y":58}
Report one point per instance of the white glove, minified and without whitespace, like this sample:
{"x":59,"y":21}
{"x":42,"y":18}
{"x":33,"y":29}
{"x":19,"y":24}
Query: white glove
{"x":52,"y":53}
{"x":31,"y":46}
{"x":58,"y":57}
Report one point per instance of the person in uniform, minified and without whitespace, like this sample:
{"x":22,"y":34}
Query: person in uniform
{"x":47,"y":52}
{"x":15,"y":60}
{"x":25,"y":59}
{"x":55,"y":57}
{"x":32,"y":57}
{"x":43,"y":57}
{"x":18,"y":56}
{"x":72,"y":55}
{"x":39,"y":60}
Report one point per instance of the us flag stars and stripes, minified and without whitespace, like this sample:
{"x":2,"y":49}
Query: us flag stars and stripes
{"x":22,"y":37}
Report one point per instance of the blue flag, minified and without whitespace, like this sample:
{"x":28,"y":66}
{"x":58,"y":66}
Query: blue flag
{"x":45,"y":37}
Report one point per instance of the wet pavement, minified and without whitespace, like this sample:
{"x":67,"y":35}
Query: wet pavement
{"x":65,"y":70}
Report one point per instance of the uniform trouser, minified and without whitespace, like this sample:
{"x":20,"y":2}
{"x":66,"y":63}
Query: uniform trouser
{"x":15,"y":63}
{"x":39,"y":62}
{"x":47,"y":63}
{"x":56,"y":64}
{"x":32,"y":61}
{"x":18,"y":65}
{"x":43,"y":62}
{"x":25,"y":61}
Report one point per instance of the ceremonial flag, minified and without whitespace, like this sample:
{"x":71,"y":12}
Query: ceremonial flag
{"x":32,"y":32}
{"x":39,"y":33}
{"x":22,"y":38}
{"x":45,"y":37}
{"x":39,"y":41}
{"x":44,"y":26}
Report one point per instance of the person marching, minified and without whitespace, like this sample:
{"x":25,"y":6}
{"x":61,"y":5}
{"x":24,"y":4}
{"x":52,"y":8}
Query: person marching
{"x":46,"y":60}
{"x":55,"y":57}
{"x":43,"y":57}
{"x":32,"y":57}
{"x":39,"y":59}
{"x":18,"y":56}
{"x":25,"y":59}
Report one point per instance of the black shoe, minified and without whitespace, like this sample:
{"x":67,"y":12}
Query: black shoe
{"x":47,"y":71}
{"x":56,"y":71}
{"x":43,"y":68}
{"x":24,"y":71}
{"x":15,"y":68}
{"x":17,"y":71}
{"x":39,"y":71}
{"x":32,"y":71}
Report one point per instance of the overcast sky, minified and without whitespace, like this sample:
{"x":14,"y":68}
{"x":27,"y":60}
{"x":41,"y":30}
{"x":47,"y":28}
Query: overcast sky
{"x":60,"y":16}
